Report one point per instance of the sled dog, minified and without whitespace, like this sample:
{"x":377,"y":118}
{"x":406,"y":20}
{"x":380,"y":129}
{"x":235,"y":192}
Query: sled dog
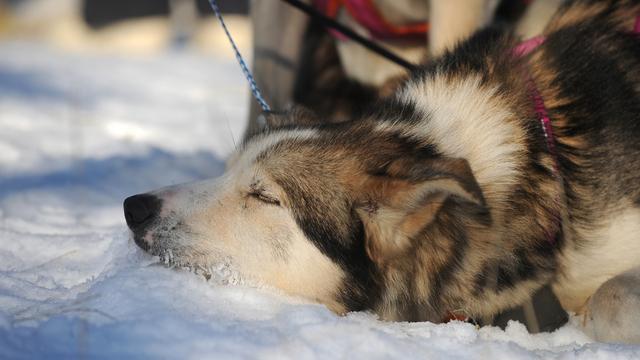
{"x":491,"y":172}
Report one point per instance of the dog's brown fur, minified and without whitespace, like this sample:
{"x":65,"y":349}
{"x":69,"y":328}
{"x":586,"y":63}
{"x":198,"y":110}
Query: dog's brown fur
{"x":446,"y":197}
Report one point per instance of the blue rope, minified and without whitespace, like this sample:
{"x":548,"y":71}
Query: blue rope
{"x":245,"y":69}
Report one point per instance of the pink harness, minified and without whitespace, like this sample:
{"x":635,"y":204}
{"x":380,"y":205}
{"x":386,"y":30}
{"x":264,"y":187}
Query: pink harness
{"x":524,"y":49}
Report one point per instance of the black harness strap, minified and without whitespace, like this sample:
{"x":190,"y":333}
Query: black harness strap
{"x":330,"y":23}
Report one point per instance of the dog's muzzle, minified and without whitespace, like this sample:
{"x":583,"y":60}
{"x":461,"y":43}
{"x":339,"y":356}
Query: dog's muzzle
{"x":140,"y":211}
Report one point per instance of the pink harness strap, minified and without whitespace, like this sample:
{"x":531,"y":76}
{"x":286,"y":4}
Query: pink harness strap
{"x":542,"y":114}
{"x":524,"y":49}
{"x":527,"y":46}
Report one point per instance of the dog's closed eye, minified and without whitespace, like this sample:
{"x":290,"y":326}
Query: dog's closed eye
{"x":264,"y":197}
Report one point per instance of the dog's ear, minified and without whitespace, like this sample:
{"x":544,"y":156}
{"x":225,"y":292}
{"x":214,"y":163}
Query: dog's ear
{"x":296,"y":115}
{"x":398,"y":202}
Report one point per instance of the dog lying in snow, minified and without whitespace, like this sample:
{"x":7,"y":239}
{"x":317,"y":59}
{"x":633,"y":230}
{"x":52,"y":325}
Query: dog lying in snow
{"x":456,"y":196}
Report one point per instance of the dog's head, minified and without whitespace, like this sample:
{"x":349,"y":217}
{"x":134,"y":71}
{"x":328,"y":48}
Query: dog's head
{"x":325,"y":212}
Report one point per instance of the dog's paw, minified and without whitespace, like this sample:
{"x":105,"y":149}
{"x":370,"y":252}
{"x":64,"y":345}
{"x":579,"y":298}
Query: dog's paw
{"x":613,"y":312}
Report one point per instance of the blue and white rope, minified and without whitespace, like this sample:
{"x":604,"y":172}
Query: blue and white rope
{"x":245,"y":69}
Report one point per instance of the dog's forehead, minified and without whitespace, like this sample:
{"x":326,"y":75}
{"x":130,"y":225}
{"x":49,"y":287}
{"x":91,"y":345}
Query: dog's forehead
{"x":265,"y":143}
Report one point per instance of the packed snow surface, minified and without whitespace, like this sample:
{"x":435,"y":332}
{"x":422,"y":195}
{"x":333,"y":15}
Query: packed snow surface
{"x":79,"y":133}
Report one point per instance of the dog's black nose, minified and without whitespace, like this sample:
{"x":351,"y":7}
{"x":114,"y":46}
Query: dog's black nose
{"x":138,"y":209}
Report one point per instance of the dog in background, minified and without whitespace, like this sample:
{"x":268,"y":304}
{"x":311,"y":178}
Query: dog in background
{"x":454,"y":196}
{"x":297,"y":62}
{"x":450,"y":22}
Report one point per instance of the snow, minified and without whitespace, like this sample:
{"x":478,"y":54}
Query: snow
{"x":79,"y":133}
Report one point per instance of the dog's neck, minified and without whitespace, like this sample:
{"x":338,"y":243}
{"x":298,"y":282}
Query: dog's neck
{"x":466,"y":118}
{"x":498,"y":132}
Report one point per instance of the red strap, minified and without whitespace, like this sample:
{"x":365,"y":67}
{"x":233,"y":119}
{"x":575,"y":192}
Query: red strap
{"x":366,"y":13}
{"x":368,"y":16}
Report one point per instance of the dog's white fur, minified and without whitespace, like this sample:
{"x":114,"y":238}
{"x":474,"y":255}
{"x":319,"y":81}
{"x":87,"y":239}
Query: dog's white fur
{"x":261,"y":243}
{"x":585,"y":270}
{"x":467,"y":122}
